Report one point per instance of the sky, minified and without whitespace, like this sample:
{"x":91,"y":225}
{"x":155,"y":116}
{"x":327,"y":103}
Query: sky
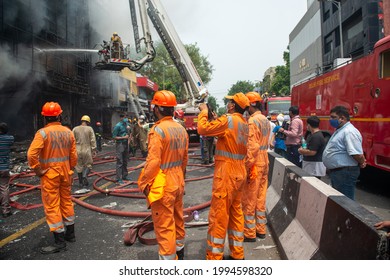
{"x":241,"y":39}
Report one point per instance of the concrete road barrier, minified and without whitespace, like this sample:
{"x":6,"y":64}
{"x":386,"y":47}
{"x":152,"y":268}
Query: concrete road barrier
{"x":311,"y":220}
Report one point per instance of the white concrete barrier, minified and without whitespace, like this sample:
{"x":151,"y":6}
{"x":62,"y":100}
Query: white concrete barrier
{"x":311,"y":220}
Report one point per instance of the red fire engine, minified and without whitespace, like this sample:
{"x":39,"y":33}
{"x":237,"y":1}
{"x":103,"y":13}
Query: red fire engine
{"x":276,"y":105}
{"x":362,"y":86}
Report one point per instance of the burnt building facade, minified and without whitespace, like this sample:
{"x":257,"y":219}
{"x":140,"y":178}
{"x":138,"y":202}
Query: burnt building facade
{"x":33,"y":67}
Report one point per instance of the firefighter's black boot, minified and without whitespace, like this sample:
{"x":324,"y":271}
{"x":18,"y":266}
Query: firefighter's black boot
{"x":180,"y":254}
{"x":80,"y":176}
{"x":58,"y":246}
{"x":85,"y":175}
{"x":69,"y":233}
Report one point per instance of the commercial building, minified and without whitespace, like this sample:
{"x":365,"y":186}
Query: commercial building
{"x":47,"y":53}
{"x":318,"y":43}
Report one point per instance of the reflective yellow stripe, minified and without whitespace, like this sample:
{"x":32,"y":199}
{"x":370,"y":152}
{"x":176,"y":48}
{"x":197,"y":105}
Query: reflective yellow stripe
{"x":260,"y":213}
{"x":215,"y":250}
{"x":57,"y":225}
{"x":230,"y":122}
{"x":249,"y":225}
{"x":49,"y":160}
{"x":43,"y":133}
{"x":215,"y":240}
{"x":69,"y":220}
{"x":229,"y":155}
{"x":179,"y":244}
{"x":235,"y":243}
{"x":159,"y":131}
{"x":171,"y":164}
{"x":249,"y":218}
{"x":235,"y":233}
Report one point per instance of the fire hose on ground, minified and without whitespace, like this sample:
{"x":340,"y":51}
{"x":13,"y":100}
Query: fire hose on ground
{"x":136,"y":230}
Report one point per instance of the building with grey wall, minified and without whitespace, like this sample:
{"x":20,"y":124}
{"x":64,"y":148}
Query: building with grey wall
{"x":305,"y":45}
{"x":315,"y":42}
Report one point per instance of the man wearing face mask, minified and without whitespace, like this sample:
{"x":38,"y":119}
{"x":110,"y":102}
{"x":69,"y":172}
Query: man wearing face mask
{"x":121,"y":136}
{"x":343,"y":156}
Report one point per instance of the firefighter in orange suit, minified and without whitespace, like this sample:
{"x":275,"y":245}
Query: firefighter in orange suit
{"x":229,"y":177}
{"x":253,"y":199}
{"x":162,"y":179}
{"x":52,"y":155}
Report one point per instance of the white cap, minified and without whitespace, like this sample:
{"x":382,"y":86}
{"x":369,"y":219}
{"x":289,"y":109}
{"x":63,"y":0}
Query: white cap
{"x":280,"y":118}
{"x":142,"y":117}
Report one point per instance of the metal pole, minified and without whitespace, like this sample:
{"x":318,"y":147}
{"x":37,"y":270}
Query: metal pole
{"x":338,"y":4}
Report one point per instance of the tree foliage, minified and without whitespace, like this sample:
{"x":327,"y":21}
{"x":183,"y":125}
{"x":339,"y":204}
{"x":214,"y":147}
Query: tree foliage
{"x":163,"y":72}
{"x":240,"y":86}
{"x":281,"y":82}
{"x":212,"y":103}
{"x":221,"y":111}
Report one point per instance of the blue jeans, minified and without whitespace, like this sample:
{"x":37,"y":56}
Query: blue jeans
{"x":344,"y":180}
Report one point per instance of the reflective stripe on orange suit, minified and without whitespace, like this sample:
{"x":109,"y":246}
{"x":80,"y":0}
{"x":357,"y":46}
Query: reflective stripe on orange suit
{"x":254,"y":195}
{"x":229,"y":178}
{"x":168,"y":151}
{"x":54,"y":147}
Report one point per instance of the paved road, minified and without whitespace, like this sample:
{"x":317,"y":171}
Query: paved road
{"x":100,"y":236}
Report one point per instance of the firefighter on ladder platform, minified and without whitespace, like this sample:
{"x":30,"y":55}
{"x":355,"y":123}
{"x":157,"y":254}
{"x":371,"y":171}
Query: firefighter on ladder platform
{"x":52,"y":155}
{"x":116,"y":46}
{"x":225,"y":214}
{"x":254,"y":194}
{"x":162,"y":179}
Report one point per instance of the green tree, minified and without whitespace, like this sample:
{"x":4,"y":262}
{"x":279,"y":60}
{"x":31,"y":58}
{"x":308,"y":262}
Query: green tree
{"x":212,"y":103}
{"x":221,"y":111}
{"x":240,"y":86}
{"x":163,"y":72}
{"x":281,"y":82}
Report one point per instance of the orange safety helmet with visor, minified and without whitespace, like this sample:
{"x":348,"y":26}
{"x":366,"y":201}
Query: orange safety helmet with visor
{"x":51,"y":109}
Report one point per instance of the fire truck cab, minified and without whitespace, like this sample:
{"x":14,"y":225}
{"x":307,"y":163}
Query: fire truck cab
{"x":275,"y":105}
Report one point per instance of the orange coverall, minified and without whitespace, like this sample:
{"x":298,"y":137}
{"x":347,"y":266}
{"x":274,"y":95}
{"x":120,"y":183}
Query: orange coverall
{"x":253,"y":199}
{"x":229,"y":178}
{"x":168,"y":151}
{"x":54,"y":148}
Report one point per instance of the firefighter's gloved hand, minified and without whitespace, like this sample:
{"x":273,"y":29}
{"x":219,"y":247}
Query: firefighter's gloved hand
{"x":40,"y":172}
{"x":253,"y":172}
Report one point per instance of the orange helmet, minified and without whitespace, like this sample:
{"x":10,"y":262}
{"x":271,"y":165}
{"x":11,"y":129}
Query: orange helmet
{"x":253,"y":97}
{"x":179,"y":114}
{"x":164,"y":98}
{"x":51,"y":109}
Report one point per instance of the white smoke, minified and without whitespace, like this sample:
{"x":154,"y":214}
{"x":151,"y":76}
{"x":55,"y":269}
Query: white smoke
{"x":11,"y":68}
